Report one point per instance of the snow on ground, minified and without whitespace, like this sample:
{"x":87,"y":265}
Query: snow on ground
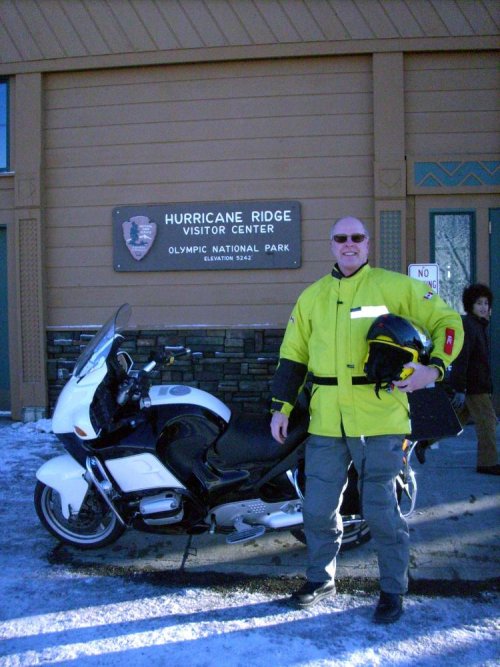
{"x":54,"y":613}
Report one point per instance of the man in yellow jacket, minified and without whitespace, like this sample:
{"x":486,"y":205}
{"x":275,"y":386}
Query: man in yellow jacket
{"x":326,"y":337}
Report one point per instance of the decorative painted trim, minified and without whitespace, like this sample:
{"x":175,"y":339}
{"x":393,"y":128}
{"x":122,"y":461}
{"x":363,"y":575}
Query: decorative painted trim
{"x":390,"y":240}
{"x":457,"y":173}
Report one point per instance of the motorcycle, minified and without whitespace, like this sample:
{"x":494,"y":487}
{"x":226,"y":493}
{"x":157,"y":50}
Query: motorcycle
{"x":172,"y":459}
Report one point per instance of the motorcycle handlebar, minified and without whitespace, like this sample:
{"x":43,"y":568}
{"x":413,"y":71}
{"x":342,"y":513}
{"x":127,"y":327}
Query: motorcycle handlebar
{"x":149,"y":367}
{"x":170,"y":352}
{"x":136,"y":386}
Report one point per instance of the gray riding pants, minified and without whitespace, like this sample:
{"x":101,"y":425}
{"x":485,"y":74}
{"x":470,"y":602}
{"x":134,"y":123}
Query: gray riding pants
{"x":378,"y":460}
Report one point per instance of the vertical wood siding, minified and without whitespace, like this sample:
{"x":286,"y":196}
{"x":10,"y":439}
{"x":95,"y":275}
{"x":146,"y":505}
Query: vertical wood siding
{"x":290,"y":129}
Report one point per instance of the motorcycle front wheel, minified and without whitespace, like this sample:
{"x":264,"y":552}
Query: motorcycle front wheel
{"x":94,"y":527}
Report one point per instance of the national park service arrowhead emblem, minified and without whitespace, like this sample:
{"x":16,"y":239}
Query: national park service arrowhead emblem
{"x":139,"y":234}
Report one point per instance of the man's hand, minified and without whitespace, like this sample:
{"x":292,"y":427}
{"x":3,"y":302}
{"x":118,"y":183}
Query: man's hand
{"x":279,"y":426}
{"x":420,"y":377}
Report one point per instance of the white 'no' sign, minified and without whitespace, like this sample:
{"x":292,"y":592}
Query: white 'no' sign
{"x":428,"y":273}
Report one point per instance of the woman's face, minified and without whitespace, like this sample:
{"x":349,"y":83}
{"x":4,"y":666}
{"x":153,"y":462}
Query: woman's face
{"x":481,"y":308}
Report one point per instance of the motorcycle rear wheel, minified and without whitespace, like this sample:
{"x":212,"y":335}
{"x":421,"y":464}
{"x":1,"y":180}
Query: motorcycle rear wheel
{"x":94,"y":527}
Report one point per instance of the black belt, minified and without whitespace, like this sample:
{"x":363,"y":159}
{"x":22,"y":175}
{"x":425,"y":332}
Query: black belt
{"x":333,"y":381}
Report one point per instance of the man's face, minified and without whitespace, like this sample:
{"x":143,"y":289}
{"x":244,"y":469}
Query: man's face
{"x":349,"y":254}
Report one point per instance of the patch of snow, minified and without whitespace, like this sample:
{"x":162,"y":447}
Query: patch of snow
{"x":60,"y":615}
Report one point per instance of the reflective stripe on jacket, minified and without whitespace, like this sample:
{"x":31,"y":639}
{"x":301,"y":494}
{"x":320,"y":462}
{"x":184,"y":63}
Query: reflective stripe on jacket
{"x":326,"y":335}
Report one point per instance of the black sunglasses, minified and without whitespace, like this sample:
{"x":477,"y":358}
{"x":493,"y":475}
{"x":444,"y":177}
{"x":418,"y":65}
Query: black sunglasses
{"x":355,"y":238}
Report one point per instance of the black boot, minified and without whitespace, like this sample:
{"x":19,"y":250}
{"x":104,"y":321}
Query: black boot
{"x":389,"y":608}
{"x":312,"y":592}
{"x":420,"y":448}
{"x":489,"y":470}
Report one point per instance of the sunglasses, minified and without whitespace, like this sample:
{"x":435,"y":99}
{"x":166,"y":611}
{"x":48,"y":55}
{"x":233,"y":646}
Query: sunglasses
{"x":355,"y":238}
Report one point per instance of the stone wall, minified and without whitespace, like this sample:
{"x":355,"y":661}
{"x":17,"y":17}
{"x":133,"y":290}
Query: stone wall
{"x":236,"y":365}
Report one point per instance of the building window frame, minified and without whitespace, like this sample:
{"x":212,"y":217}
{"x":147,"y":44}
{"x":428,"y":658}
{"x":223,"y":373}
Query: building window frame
{"x":4,"y":125}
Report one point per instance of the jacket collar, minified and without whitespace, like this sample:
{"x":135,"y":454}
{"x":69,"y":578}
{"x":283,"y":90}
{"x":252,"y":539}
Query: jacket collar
{"x":337,"y":273}
{"x":481,"y":320}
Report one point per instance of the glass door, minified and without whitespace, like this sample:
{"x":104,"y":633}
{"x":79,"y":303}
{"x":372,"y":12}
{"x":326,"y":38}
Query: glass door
{"x":453,"y":238}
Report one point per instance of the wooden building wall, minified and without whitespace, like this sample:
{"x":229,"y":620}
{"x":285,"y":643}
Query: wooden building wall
{"x":452,"y":104}
{"x":331,"y":103}
{"x":289,"y":129}
{"x":6,"y":201}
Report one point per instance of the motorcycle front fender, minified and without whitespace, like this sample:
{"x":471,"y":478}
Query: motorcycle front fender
{"x":66,"y":476}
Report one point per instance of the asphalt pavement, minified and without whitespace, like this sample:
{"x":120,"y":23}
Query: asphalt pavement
{"x":455,"y":537}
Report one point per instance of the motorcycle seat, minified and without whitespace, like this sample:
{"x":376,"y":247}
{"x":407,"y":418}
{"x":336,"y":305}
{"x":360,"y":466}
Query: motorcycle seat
{"x":248,"y":438}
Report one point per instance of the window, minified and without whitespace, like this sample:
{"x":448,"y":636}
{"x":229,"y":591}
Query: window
{"x":4,"y":125}
{"x":452,"y":249}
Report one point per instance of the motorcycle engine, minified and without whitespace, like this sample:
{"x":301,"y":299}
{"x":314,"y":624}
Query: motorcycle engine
{"x":161,"y":509}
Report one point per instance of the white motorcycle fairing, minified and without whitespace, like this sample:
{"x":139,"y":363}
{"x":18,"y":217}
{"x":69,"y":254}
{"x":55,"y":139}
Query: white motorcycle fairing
{"x":72,"y":409}
{"x":66,"y":476}
{"x":175,"y":394}
{"x":139,"y":472}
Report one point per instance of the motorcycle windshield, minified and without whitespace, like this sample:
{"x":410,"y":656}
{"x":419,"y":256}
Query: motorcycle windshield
{"x":99,"y":347}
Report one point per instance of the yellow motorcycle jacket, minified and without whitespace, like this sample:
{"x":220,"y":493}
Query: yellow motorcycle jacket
{"x":326,"y":338}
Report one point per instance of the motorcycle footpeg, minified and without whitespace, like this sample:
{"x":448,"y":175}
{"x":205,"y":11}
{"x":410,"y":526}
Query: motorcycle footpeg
{"x":251,"y":533}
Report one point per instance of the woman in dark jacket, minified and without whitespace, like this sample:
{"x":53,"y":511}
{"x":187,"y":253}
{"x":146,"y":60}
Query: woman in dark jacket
{"x":470,"y":377}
